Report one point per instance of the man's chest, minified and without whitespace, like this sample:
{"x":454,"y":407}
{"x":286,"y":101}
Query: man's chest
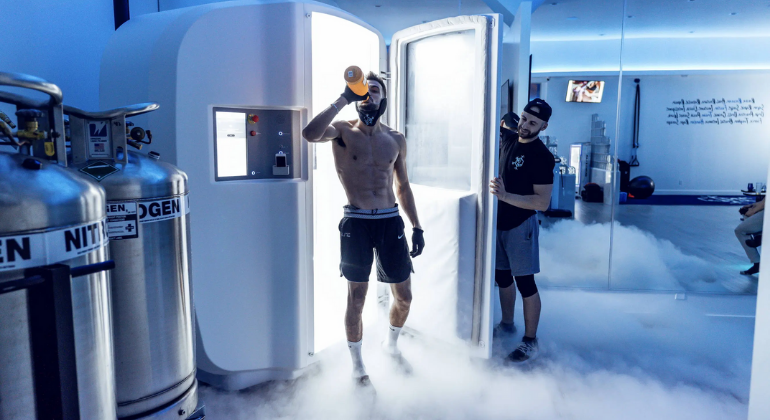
{"x":378,"y":150}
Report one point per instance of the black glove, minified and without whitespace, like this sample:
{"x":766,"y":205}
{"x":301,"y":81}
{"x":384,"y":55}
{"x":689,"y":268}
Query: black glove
{"x":744,"y":209}
{"x":418,"y":242}
{"x":351,"y":96}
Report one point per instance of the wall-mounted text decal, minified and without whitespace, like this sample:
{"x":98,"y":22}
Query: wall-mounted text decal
{"x":715,"y":111}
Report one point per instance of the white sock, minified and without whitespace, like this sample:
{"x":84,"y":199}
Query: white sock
{"x":391,"y":344}
{"x":359,"y":369}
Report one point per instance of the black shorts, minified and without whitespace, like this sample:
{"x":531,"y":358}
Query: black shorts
{"x":362,"y":239}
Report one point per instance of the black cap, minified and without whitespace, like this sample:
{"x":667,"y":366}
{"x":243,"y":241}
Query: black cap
{"x":544,"y":110}
{"x":511,"y":119}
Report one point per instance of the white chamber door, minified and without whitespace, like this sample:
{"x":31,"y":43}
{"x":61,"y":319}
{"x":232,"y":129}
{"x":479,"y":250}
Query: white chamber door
{"x":444,"y":98}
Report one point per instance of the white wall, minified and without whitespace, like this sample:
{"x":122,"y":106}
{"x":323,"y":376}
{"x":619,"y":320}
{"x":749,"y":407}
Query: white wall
{"x":142,"y":7}
{"x":516,"y":55}
{"x":177,"y":4}
{"x":723,"y":53}
{"x":681,"y":159}
{"x":651,"y":54}
{"x":549,"y":57}
{"x":696,"y":159}
{"x":60,"y":41}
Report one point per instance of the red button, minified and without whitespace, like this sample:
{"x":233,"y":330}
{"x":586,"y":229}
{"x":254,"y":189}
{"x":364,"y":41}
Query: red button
{"x":253,"y":133}
{"x":255,"y":118}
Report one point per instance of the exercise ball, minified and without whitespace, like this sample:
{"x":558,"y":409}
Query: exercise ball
{"x":641,"y":187}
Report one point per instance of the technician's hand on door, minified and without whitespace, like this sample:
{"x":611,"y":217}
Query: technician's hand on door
{"x":497,"y":188}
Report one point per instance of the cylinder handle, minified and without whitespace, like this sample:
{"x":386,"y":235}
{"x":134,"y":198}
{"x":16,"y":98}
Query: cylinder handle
{"x":31,"y":82}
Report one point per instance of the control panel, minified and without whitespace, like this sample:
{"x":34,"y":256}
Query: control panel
{"x":252,"y":143}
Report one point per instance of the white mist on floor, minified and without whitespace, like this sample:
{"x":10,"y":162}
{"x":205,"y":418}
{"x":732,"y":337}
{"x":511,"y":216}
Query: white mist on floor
{"x":603,"y":356}
{"x":573,"y":253}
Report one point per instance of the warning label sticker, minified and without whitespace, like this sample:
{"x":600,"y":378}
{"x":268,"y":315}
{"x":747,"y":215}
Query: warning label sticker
{"x":99,"y":170}
{"x":44,"y":248}
{"x":165,"y":209}
{"x":22,"y":251}
{"x":122,"y":220}
{"x":73,"y":242}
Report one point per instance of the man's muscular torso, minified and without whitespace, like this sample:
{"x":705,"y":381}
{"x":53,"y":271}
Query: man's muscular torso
{"x":365,"y":163}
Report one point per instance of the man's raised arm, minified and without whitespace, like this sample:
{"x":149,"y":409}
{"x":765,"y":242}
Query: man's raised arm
{"x":320,"y":128}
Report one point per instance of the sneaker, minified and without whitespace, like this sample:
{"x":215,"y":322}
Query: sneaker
{"x":502,"y":329}
{"x":753,"y":270}
{"x":755,"y":242}
{"x":527,"y":350}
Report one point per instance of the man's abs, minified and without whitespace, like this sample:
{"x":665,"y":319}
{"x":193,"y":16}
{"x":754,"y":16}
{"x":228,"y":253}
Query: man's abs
{"x":365,"y":168}
{"x":368,"y":187}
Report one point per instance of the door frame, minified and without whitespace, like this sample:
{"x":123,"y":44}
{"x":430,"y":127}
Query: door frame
{"x":485,"y":132}
{"x":307,"y":293}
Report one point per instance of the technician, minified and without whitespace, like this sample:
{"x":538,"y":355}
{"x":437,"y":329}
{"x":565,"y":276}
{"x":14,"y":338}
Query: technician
{"x":368,"y":155}
{"x":523,"y":187}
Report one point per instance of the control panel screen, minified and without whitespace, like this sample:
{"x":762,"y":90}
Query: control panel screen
{"x":256,"y":143}
{"x":232,"y":149}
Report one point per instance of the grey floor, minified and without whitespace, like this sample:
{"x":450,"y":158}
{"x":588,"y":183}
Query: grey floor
{"x":703,"y":232}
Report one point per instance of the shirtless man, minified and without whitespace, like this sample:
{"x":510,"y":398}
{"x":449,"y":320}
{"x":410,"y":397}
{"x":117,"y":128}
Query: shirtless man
{"x":367,"y":155}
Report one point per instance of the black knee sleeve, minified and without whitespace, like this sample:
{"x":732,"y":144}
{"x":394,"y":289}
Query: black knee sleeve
{"x":526,"y":285}
{"x":503,"y":278}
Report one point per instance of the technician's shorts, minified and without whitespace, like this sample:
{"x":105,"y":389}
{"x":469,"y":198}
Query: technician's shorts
{"x":365,"y":234}
{"x":518,"y":249}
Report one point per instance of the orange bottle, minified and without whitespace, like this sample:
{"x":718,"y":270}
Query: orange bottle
{"x":355,"y":79}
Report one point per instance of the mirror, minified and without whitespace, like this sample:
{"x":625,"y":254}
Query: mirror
{"x":692,"y":147}
{"x":575,"y":64}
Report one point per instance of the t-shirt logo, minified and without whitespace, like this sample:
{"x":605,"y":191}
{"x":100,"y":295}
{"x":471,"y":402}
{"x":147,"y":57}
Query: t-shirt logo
{"x":518,"y":163}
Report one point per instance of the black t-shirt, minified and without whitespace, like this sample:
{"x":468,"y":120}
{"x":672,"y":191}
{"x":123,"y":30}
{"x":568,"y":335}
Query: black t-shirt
{"x":522,"y":165}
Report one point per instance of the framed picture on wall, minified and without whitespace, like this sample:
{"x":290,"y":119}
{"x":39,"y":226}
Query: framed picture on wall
{"x":505,"y":98}
{"x":585,"y":91}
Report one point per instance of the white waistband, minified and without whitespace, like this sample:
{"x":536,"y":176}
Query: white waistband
{"x":355,"y":212}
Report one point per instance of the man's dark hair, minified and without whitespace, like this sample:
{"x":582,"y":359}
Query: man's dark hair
{"x":372,"y":76}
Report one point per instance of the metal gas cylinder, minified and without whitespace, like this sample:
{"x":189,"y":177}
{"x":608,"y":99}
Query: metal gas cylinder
{"x":148,"y":226}
{"x":51,"y":216}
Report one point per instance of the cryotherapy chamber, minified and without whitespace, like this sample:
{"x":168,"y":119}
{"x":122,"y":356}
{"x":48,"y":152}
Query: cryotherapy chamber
{"x":237,"y":81}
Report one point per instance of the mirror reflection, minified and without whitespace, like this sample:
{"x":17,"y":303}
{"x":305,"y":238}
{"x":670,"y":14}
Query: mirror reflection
{"x":575,"y":65}
{"x":691,"y":152}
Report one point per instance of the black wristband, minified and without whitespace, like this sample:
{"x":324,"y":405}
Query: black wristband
{"x":351,"y":96}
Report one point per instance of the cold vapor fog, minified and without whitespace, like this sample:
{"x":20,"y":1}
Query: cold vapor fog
{"x":572,"y":253}
{"x":602,"y":357}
